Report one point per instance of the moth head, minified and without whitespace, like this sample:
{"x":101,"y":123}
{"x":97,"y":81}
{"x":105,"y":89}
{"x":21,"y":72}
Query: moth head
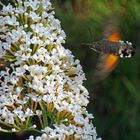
{"x":126,"y":50}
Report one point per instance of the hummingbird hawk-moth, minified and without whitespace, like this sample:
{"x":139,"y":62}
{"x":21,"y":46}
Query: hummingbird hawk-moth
{"x":119,"y":48}
{"x":110,"y":52}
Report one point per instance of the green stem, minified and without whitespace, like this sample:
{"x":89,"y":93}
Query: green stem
{"x":35,"y":130}
{"x":27,"y":122}
{"x":44,"y":115}
{"x":6,"y":131}
{"x":16,"y":126}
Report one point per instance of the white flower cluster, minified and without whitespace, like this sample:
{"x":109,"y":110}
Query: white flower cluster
{"x":41,"y":78}
{"x":63,"y":132}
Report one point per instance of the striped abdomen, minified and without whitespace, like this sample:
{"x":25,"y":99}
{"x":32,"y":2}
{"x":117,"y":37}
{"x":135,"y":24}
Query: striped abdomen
{"x":106,"y":46}
{"x":119,"y":48}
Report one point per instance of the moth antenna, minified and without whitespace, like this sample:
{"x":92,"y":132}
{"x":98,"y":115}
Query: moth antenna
{"x":86,"y":44}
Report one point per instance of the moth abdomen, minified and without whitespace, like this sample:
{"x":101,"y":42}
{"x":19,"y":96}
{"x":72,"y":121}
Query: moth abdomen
{"x":118,"y":48}
{"x":106,"y":46}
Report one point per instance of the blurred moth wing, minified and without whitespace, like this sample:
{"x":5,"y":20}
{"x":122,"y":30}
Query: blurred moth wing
{"x":107,"y":62}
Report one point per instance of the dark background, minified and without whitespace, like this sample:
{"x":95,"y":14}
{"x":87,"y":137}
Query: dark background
{"x":115,"y":101}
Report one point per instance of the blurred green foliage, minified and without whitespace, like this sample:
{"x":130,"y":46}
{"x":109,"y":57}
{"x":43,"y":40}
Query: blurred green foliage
{"x":115,"y":101}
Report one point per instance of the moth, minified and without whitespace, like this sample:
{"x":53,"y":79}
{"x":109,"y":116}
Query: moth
{"x":110,"y":53}
{"x":117,"y":48}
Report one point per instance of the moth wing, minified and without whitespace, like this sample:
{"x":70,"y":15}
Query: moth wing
{"x":106,"y":63}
